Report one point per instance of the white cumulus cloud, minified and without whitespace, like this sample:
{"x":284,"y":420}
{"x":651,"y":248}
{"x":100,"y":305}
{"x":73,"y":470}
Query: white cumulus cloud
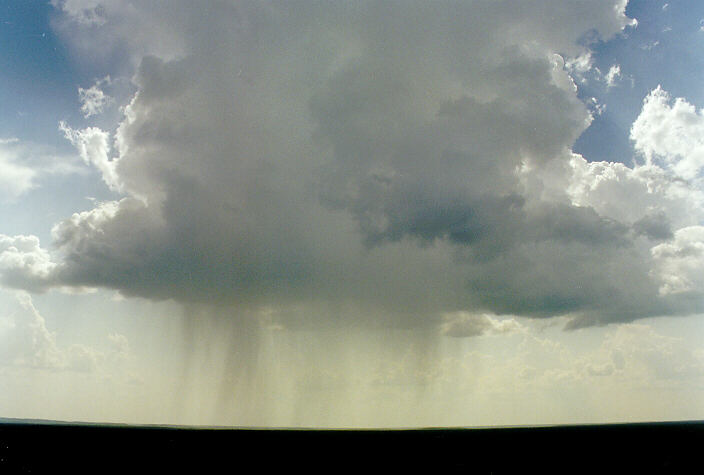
{"x":23,"y":263}
{"x":670,"y":133}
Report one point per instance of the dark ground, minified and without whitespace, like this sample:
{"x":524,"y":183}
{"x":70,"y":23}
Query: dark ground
{"x":42,"y":447}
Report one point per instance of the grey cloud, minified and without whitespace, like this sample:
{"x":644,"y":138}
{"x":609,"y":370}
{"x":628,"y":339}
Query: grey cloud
{"x":655,"y":226}
{"x":567,"y":223}
{"x":550,"y":278}
{"x":358,"y":155}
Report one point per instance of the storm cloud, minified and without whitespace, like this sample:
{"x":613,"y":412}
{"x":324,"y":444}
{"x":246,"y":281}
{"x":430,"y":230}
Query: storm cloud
{"x":407,"y":159}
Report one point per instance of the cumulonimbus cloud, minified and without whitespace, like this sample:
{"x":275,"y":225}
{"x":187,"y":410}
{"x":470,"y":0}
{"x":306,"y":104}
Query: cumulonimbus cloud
{"x":411,"y":158}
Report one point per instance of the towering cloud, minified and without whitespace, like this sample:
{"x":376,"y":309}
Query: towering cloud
{"x":402,"y":159}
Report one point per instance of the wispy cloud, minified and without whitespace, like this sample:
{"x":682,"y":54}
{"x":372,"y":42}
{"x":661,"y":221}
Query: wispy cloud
{"x":24,"y":164}
{"x":94,"y":100}
{"x":26,"y":342}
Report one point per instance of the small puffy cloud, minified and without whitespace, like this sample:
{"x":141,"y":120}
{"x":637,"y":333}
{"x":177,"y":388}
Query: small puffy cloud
{"x":594,"y":106}
{"x":613,"y":75}
{"x":670,"y":133}
{"x":94,"y":100}
{"x":611,"y":78}
{"x":465,"y":324}
{"x":93,"y":145}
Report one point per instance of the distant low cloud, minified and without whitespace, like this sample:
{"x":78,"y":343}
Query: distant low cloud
{"x":464,"y":324}
{"x":638,"y":353}
{"x":26,"y":342}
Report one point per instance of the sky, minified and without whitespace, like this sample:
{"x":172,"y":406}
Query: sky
{"x":358,"y":214}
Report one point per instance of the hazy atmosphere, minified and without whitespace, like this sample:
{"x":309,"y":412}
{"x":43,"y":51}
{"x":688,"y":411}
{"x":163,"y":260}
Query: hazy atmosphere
{"x":352,"y":214}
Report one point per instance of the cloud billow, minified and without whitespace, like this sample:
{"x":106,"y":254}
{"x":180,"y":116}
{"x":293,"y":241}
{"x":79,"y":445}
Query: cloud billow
{"x":413,"y":159}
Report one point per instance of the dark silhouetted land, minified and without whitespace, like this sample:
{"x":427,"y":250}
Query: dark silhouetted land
{"x":44,"y":446}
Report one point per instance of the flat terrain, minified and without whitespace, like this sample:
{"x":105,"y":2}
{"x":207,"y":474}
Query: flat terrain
{"x":41,"y":446}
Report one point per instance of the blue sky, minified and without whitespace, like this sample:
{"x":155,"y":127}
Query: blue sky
{"x":39,"y":88}
{"x":351,"y":214}
{"x":39,"y":77}
{"x":663,"y":49}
